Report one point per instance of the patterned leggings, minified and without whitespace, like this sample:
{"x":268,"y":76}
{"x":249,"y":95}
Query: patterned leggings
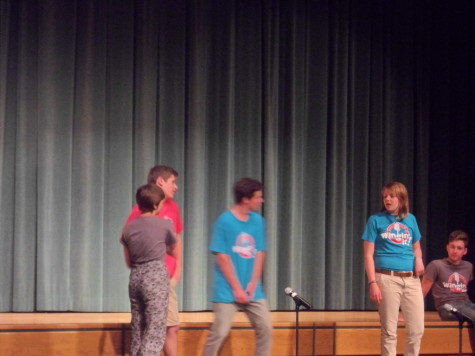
{"x":148,"y":293}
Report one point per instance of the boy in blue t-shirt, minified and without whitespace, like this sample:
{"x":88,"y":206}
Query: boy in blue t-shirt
{"x":239,"y":245}
{"x":393,"y":263}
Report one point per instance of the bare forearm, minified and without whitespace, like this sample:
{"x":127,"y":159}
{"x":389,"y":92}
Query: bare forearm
{"x":374,"y":291}
{"x":226,"y":266}
{"x":419,"y":262}
{"x":426,"y":285}
{"x":178,"y":254}
{"x":417,"y":250}
{"x":258,"y":268}
{"x":128,"y":260}
{"x":369,"y":261}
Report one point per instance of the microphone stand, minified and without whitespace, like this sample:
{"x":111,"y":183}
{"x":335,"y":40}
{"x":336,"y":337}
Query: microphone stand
{"x":297,"y":328}
{"x":298,"y":304}
{"x":460,"y":319}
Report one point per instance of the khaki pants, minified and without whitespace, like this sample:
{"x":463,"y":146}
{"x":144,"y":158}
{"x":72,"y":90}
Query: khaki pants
{"x":173,"y":315}
{"x":404,"y":292}
{"x":258,"y":314}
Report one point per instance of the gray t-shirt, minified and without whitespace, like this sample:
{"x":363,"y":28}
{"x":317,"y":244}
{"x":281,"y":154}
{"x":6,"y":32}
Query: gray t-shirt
{"x":147,"y":237}
{"x":450,"y":281}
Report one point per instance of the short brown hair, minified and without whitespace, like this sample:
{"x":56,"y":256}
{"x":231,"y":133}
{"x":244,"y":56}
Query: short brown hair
{"x":400,"y":191}
{"x":245,"y":188}
{"x":458,"y":235}
{"x":148,"y":196}
{"x":160,"y":171}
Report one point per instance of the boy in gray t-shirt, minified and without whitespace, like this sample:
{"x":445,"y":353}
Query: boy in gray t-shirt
{"x":448,"y":278}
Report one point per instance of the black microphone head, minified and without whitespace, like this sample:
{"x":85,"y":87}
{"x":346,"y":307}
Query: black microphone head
{"x":449,"y":308}
{"x":288,"y":291}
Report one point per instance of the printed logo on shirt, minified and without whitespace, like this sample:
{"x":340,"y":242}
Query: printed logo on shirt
{"x":245,"y":246}
{"x":456,"y":283}
{"x":398,"y":233}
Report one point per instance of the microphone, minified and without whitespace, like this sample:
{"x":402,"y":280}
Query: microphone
{"x":297,"y":298}
{"x":458,"y":314}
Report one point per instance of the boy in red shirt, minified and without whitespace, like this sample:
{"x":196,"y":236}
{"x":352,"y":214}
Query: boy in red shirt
{"x":166,"y":178}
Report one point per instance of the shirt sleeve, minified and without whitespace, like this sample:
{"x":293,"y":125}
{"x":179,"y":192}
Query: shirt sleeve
{"x":122,"y":237}
{"x":218,"y":242}
{"x":370,"y":231}
{"x":134,"y":214}
{"x":431,"y":271}
{"x":471,"y":272}
{"x":416,"y":233}
{"x":179,"y":222}
{"x":170,"y":233}
{"x":262,"y":242}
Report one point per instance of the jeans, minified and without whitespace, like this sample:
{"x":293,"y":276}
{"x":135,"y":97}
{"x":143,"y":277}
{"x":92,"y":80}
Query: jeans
{"x":466,"y":308}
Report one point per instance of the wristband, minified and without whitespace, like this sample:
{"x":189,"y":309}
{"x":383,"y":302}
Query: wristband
{"x":371,"y":282}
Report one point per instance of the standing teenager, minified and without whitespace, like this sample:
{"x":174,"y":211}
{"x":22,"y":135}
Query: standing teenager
{"x":146,"y":241}
{"x":166,"y":178}
{"x":393,"y":262}
{"x":239,"y":244}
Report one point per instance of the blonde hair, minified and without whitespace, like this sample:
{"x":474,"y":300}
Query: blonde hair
{"x":400,"y":191}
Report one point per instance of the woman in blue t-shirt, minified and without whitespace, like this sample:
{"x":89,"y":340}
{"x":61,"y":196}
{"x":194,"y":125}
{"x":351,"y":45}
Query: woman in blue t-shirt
{"x":393,"y":262}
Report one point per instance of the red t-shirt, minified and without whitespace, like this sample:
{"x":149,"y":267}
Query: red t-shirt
{"x":170,"y":211}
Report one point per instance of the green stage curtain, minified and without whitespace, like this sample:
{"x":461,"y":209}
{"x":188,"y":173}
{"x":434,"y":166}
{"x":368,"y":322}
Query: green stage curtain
{"x":324,"y":101}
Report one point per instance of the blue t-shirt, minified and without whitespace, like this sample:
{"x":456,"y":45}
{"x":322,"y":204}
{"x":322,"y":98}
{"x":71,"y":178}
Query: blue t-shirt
{"x":393,"y":239}
{"x":241,"y":240}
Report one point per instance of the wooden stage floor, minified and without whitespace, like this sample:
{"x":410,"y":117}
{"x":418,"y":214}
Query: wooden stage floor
{"x":191,"y":317}
{"x":185,"y":317}
{"x":344,"y":333}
